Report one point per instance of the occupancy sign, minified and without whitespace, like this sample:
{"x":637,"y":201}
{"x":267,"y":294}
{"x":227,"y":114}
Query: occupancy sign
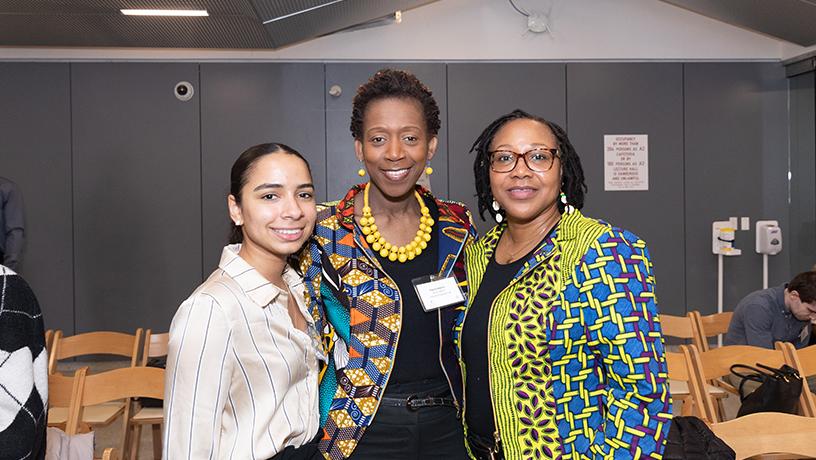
{"x":626,"y":162}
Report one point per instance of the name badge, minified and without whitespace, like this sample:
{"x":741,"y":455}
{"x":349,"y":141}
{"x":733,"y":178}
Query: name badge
{"x":805,"y":332}
{"x":437,"y":292}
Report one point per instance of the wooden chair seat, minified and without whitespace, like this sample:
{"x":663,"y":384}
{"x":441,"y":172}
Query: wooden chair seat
{"x":149,"y":416}
{"x":680,"y":388}
{"x":96,"y":416}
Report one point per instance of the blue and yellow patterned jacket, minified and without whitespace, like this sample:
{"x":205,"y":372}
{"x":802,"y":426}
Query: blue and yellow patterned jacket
{"x":358,"y":310}
{"x":575,"y":352}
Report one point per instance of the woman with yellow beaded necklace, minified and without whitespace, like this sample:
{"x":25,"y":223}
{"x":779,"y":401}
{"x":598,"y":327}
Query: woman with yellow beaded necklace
{"x":392,"y":387}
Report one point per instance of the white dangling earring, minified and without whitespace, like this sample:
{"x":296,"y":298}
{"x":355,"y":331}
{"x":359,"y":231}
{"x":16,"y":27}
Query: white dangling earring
{"x":495,"y":205}
{"x":568,"y":208}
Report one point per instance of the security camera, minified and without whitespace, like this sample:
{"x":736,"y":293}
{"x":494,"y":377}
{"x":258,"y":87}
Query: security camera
{"x":184,"y":91}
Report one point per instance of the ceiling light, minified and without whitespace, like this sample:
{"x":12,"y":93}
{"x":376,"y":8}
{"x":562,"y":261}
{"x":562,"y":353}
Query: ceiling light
{"x":286,"y":16}
{"x":165,"y":12}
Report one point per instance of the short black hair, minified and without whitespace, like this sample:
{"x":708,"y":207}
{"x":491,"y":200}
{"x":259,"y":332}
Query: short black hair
{"x":393,"y":83}
{"x":572,"y":174}
{"x":805,"y":284}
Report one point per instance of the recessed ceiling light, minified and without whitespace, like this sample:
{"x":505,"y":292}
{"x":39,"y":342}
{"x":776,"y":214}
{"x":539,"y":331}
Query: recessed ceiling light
{"x":165,"y":12}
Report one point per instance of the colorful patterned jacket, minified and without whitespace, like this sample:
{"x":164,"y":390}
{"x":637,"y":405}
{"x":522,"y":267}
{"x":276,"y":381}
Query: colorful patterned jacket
{"x":575,"y":352}
{"x":357,"y":308}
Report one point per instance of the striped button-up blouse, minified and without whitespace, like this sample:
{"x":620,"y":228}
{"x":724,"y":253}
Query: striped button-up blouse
{"x":241,"y":379}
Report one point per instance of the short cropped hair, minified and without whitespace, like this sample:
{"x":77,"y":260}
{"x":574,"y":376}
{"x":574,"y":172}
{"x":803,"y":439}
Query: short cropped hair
{"x":392,"y":83}
{"x":805,"y":284}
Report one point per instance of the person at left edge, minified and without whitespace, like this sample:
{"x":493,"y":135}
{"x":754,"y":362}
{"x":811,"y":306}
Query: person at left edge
{"x":392,"y":388}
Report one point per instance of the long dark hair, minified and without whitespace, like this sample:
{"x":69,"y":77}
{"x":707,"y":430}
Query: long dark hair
{"x":240,"y":174}
{"x":572,"y":174}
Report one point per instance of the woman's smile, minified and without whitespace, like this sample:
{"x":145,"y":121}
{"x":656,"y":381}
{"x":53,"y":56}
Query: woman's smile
{"x":396,"y":175}
{"x":522,"y":192}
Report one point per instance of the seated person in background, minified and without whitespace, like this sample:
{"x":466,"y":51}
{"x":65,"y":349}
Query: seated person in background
{"x":23,"y":379}
{"x":782,"y":313}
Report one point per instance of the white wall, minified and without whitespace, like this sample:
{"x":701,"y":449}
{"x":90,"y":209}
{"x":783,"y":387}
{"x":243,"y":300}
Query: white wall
{"x":492,"y":30}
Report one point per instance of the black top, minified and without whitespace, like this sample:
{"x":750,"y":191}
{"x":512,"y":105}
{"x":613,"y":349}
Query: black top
{"x":478,"y":410}
{"x":418,"y":349}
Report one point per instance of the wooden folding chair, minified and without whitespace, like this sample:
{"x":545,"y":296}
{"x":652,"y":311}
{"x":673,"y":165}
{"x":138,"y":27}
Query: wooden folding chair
{"x":711,"y":326}
{"x":711,"y":366}
{"x":804,"y":361}
{"x":683,"y":386}
{"x":118,"y":384}
{"x":686,"y":328}
{"x":766,"y":433}
{"x":95,"y":343}
{"x":155,"y":346}
{"x":63,"y":393}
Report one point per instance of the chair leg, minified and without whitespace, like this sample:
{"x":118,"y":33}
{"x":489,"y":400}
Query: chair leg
{"x":123,"y":448}
{"x":135,"y":439}
{"x":157,"y":442}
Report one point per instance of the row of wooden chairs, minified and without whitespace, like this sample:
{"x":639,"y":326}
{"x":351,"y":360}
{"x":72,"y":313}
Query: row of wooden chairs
{"x":82,"y":391}
{"x":755,"y":434}
{"x":128,"y":346}
{"x":697,"y":328}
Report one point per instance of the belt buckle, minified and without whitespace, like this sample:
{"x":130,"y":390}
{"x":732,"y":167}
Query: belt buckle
{"x":409,"y":403}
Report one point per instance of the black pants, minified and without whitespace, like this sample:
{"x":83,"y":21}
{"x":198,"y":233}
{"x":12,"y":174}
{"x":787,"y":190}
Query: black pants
{"x":307,"y":451}
{"x":400,"y":433}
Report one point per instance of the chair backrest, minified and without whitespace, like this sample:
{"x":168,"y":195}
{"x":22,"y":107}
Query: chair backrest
{"x":116,"y":384}
{"x":94,"y":343}
{"x":769,"y":433}
{"x":712,"y":326}
{"x":64,"y":391}
{"x":682,"y":327}
{"x":155,"y":345}
{"x":804,"y":361}
{"x":716,"y":363}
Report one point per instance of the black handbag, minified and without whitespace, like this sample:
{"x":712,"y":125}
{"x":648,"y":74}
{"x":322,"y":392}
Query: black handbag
{"x":691,"y":439}
{"x":779,"y":389}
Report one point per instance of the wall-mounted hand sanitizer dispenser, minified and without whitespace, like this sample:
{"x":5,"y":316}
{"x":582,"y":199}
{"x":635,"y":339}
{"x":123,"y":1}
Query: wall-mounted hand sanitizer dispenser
{"x":768,"y":237}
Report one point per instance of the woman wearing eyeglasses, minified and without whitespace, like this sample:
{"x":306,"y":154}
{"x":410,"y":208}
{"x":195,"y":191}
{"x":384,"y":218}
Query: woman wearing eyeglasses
{"x":561,"y":345}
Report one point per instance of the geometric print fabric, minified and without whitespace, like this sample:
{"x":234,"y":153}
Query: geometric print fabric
{"x":599,"y":390}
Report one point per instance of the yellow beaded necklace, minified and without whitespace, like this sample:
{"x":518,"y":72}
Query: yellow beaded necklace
{"x":386,"y":249}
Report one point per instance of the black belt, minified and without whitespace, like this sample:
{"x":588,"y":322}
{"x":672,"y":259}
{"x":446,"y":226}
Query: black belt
{"x":414,"y":402}
{"x":484,"y":448}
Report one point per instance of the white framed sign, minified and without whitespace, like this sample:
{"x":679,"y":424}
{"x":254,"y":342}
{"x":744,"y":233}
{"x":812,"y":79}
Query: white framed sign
{"x":626,"y":162}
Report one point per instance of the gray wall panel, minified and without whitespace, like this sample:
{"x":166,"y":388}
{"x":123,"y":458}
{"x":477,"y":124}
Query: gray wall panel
{"x":736,"y":164}
{"x":342,"y":164}
{"x":636,"y":99}
{"x":137,"y":194}
{"x":802,"y":233}
{"x":35,"y":152}
{"x":478,"y":94}
{"x":248,"y":104}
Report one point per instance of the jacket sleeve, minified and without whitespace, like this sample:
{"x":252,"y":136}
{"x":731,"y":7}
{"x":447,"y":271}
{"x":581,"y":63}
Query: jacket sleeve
{"x":623,"y":329}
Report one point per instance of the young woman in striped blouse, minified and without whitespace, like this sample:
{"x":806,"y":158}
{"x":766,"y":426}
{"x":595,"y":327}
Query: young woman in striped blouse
{"x":243,"y":361}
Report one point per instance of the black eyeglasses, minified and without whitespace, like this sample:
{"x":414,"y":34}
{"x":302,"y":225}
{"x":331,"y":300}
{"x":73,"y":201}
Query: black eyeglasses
{"x":539,"y":159}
